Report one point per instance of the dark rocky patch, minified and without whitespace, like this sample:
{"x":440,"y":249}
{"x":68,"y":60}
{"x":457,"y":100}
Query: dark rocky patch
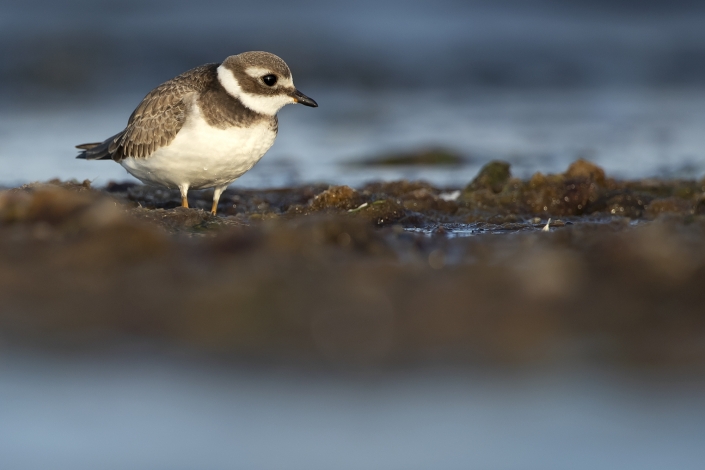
{"x":425,"y":157}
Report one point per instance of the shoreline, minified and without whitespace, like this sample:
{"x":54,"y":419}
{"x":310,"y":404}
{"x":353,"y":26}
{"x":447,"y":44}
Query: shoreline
{"x":389,"y":273}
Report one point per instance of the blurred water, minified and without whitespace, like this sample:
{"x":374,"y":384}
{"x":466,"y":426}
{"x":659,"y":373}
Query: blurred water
{"x":82,"y":46}
{"x":630,"y":133}
{"x":535,"y":82}
{"x":152,"y":413}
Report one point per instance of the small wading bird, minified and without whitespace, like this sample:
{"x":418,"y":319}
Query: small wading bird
{"x":206,"y":127}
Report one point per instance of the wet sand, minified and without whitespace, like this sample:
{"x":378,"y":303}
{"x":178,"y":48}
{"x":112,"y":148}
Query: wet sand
{"x":385,"y":274}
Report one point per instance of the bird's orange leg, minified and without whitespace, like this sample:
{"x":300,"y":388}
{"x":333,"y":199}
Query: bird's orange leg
{"x":184,"y":195}
{"x":216,"y":197}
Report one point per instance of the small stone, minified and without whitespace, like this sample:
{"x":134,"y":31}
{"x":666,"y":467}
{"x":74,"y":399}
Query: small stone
{"x":583,"y":169}
{"x":337,"y":197}
{"x":493,"y":176}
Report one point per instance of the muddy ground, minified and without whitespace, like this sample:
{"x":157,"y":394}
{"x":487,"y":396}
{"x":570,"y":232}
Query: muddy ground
{"x":385,"y":274}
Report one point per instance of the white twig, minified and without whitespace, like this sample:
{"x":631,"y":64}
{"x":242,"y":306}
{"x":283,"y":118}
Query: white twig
{"x":362,"y":206}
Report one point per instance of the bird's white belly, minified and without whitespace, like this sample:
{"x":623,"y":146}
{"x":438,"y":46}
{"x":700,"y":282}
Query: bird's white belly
{"x":201,"y":156}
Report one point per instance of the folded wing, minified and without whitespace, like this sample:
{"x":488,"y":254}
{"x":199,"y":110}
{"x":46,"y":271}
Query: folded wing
{"x":156,"y":121}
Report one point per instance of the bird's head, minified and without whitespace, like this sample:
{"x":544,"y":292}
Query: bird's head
{"x":261,"y":81}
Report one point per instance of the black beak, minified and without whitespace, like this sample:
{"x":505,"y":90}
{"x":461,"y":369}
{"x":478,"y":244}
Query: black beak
{"x":303,"y":99}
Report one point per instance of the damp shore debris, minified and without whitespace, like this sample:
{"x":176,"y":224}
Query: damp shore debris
{"x":557,"y":268}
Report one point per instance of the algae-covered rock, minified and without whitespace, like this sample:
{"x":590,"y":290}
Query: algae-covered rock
{"x":382,"y":212}
{"x":65,"y":205}
{"x":624,"y":203}
{"x":423,"y":200}
{"x":179,"y":218}
{"x":336,"y":197}
{"x":567,"y":194}
{"x":558,"y":195}
{"x":423,"y":157}
{"x":583,"y":169}
{"x":396,"y":188}
{"x":493,"y":176}
{"x":673,"y":205}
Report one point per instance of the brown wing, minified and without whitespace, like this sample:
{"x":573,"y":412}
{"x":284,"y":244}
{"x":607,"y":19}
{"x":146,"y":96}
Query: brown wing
{"x":160,"y":115}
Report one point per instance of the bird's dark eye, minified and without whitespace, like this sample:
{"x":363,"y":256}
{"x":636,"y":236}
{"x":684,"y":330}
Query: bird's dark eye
{"x":270,"y":80}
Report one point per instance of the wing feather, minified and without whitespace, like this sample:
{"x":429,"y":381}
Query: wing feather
{"x":161,"y":114}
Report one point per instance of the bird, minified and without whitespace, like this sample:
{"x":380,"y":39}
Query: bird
{"x":206,"y":127}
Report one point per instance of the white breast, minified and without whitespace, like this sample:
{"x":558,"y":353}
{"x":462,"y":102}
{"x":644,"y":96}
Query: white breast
{"x":201,"y":156}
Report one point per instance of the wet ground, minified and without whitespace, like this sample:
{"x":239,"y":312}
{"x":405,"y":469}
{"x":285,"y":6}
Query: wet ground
{"x":385,"y":274}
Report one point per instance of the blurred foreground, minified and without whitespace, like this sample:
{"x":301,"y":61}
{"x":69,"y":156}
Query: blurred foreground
{"x":395,"y":325}
{"x":374,"y":276}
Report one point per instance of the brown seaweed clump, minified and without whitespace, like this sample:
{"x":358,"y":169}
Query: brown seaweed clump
{"x":582,"y":190}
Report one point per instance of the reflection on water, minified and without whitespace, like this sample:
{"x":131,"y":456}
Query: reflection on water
{"x":137,"y":413}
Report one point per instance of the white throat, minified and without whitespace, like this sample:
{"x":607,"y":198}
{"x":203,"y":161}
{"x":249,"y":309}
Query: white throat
{"x":262,"y":104}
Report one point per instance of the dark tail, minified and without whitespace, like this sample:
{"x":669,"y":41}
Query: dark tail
{"x":99,"y":150}
{"x":88,"y":146}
